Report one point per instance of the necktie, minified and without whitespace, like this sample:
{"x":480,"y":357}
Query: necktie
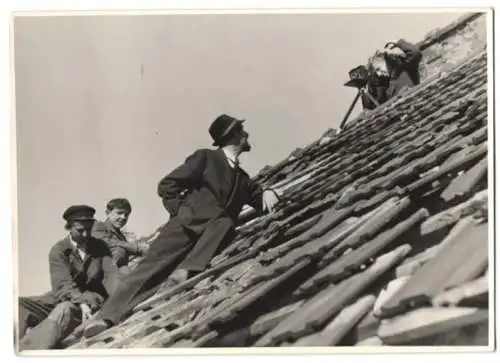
{"x":233,"y":162}
{"x":236,"y":183}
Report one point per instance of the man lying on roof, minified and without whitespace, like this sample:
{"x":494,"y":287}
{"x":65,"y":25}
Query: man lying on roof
{"x":204,"y":197}
{"x":110,"y":231}
{"x":392,"y":68}
{"x":82,"y":276}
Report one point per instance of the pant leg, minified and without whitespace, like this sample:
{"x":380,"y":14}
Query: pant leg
{"x":33,"y":310}
{"x":65,"y":317}
{"x":164,"y":253}
{"x":217,"y":233}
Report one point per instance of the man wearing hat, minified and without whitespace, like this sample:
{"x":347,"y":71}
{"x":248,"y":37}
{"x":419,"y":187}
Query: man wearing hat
{"x":82,"y":275}
{"x":204,"y":198}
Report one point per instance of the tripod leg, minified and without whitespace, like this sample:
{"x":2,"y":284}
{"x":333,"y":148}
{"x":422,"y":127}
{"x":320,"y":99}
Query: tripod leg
{"x":375,"y":102}
{"x":350,"y":109}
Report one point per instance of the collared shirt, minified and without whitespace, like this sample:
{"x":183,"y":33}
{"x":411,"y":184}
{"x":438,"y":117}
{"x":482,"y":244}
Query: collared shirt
{"x":81,"y":252}
{"x":231,"y":158}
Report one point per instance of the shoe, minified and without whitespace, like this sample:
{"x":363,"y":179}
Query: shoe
{"x":95,"y":327}
{"x":177,"y":277}
{"x":168,"y":284}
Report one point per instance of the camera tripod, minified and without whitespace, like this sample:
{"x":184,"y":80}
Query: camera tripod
{"x":361,"y":91}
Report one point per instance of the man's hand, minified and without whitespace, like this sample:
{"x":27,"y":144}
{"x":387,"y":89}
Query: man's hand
{"x":269,"y":200}
{"x":86,"y":312}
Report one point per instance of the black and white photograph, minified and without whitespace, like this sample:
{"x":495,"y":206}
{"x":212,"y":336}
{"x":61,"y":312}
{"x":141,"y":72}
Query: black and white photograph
{"x":266,"y":180}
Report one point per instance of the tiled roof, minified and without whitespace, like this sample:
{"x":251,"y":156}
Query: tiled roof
{"x":380,"y":237}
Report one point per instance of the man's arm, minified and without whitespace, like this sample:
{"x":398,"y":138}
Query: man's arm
{"x":111,"y":277}
{"x":413,"y":55}
{"x":100,"y":231}
{"x":120,"y":256}
{"x":256,"y":193}
{"x":62,"y":283}
{"x":262,"y":200}
{"x":185,"y":177}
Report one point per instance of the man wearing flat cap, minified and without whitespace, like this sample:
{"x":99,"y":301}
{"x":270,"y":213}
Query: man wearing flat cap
{"x":204,"y":198}
{"x":82,"y":276}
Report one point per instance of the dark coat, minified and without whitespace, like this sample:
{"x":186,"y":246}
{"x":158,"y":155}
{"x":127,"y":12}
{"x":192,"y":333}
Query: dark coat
{"x":206,"y":187}
{"x":73,"y":279}
{"x":121,"y":249}
{"x":405,"y":72}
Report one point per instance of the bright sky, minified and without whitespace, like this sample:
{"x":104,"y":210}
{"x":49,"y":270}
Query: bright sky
{"x":106,"y":106}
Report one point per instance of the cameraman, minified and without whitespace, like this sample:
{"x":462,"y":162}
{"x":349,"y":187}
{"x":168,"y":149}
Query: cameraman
{"x":392,"y":69}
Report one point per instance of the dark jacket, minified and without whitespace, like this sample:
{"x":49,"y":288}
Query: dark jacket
{"x":201,"y":190}
{"x":404,"y":71}
{"x":121,"y":249}
{"x":87,"y":281}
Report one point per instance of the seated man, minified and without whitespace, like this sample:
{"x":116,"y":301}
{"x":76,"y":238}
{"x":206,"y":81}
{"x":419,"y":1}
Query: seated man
{"x":82,"y":276}
{"x":392,"y":69}
{"x":203,"y":197}
{"x":117,"y":213}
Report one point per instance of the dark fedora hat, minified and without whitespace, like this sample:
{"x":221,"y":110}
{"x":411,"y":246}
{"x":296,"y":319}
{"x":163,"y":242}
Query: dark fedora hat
{"x":79,"y":213}
{"x":221,"y":127}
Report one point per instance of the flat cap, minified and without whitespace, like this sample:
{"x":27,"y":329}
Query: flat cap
{"x":79,"y":213}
